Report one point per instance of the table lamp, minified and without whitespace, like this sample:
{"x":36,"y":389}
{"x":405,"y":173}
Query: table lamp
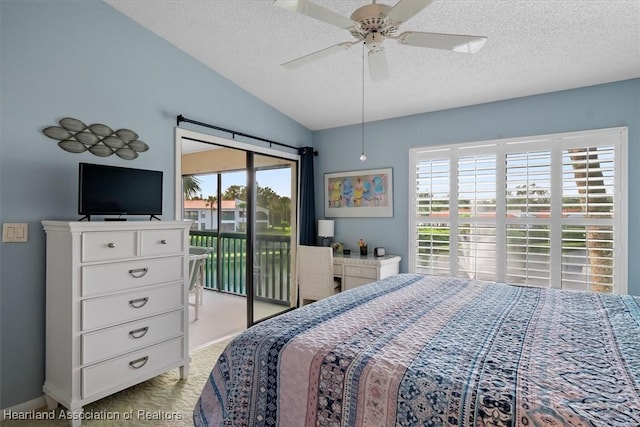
{"x":325,"y":231}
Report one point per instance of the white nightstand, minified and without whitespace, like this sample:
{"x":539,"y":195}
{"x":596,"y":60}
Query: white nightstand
{"x":356,"y":270}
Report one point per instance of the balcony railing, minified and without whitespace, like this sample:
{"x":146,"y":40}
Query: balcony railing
{"x":272,"y":264}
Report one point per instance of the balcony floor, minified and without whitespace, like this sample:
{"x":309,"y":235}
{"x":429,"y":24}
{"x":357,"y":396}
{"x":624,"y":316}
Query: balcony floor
{"x":222,"y":315}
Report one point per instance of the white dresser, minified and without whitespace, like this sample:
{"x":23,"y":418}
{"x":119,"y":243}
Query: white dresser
{"x":116,"y":307}
{"x":356,"y":270}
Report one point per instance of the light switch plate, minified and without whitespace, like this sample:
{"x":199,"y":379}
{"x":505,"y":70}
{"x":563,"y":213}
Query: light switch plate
{"x":15,"y":232}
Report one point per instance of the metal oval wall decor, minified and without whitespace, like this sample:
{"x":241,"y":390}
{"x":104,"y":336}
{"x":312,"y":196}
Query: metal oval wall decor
{"x":98,"y":139}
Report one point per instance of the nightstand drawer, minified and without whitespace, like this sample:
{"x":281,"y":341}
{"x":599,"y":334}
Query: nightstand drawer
{"x":120,"y":308}
{"x":357,"y":271}
{"x":129,"y":368}
{"x":351,"y":282}
{"x":337,"y":269}
{"x":131,"y":336}
{"x":103,"y":278}
{"x":162,"y":242}
{"x":108,"y":245}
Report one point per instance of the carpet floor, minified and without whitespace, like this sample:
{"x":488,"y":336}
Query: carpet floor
{"x":161,"y":401}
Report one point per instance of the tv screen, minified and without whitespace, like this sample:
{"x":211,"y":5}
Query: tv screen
{"x":113,"y":190}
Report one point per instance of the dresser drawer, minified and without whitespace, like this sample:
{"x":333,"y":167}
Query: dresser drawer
{"x":126,"y":369}
{"x":131,"y":336}
{"x":358,"y":271}
{"x":125,"y":307}
{"x":103,"y":278}
{"x":162,"y":242}
{"x":107,"y":245}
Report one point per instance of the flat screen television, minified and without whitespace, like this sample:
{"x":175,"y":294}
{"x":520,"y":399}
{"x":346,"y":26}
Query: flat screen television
{"x":114,"y":190}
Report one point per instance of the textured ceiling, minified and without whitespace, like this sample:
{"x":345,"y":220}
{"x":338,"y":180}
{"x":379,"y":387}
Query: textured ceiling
{"x":534,"y":46}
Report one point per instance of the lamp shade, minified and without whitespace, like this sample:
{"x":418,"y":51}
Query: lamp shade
{"x":325,"y":228}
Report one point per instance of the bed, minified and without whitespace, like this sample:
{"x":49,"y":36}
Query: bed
{"x":423,"y":350}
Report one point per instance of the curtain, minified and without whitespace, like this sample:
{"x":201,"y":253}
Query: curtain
{"x":307,"y":198}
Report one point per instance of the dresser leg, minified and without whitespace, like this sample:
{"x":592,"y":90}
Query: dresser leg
{"x":184,"y":372}
{"x":75,"y":417}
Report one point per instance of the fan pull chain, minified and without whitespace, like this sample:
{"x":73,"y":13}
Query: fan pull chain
{"x":362,"y":156}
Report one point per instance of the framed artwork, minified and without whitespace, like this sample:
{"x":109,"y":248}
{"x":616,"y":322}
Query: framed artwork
{"x":363,"y":193}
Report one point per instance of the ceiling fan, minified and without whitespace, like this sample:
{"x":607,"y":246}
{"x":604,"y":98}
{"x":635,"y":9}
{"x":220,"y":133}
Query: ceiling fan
{"x":374,"y":23}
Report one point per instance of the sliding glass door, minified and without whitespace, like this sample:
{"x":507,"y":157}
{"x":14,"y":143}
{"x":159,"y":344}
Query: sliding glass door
{"x":276,"y":231}
{"x":244,"y":209}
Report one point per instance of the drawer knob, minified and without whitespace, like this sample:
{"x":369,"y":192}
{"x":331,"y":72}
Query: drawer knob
{"x":163,"y":241}
{"x":139,"y":303}
{"x":138,"y":272}
{"x":139,"y":333}
{"x":111,"y":245}
{"x":139,"y":363}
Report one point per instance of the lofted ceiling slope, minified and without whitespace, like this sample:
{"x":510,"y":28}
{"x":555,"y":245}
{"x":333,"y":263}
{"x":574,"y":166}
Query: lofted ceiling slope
{"x":534,"y":46}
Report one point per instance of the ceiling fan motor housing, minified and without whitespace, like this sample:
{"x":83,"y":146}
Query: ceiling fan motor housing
{"x":374,"y":40}
{"x":374,"y":24}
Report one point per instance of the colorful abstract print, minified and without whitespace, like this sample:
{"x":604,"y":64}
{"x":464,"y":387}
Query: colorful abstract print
{"x":358,"y":191}
{"x":416,"y":350}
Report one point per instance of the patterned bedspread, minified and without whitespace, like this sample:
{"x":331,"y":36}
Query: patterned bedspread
{"x":420,"y":350}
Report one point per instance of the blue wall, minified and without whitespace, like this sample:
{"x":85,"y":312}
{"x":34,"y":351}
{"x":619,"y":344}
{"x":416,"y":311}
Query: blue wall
{"x":387,"y":144}
{"x":84,"y":59}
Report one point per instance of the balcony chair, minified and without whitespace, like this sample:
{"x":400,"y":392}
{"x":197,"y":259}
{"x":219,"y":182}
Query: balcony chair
{"x":197,"y":261}
{"x":315,"y":273}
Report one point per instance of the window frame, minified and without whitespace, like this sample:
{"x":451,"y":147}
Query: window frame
{"x":554,"y":143}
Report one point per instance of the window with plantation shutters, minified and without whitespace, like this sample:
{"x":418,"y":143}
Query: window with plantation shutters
{"x":546,"y":211}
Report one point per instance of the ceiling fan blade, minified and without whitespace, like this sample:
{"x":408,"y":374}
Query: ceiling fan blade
{"x":295,"y":63}
{"x":320,"y":13}
{"x":454,"y":42}
{"x":378,"y":67}
{"x":405,"y":9}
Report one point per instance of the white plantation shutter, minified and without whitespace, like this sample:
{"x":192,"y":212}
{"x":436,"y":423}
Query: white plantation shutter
{"x":588,"y":235}
{"x":432,"y":216}
{"x":546,"y":211}
{"x":528,"y":204}
{"x":528,"y":176}
{"x":476,"y":215}
{"x":477,"y":251}
{"x":476,"y":185}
